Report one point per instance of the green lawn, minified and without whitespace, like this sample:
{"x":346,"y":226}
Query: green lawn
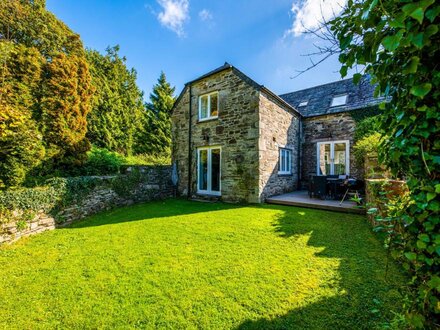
{"x":187,"y":265}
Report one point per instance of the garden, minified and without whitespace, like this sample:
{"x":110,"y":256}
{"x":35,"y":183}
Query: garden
{"x":180,"y":264}
{"x":73,"y":123}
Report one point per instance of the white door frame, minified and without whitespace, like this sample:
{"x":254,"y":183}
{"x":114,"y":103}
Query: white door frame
{"x":209,"y":190}
{"x":332,"y":156}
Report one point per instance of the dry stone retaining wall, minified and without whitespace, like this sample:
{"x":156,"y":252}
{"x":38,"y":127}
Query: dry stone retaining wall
{"x":155,"y":183}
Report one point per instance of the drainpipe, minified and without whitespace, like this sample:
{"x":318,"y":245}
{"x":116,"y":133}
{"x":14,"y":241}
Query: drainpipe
{"x":189,"y":142}
{"x":299,"y":158}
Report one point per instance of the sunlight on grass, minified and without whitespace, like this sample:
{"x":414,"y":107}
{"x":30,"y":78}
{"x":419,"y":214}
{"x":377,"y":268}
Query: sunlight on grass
{"x":179,"y":264}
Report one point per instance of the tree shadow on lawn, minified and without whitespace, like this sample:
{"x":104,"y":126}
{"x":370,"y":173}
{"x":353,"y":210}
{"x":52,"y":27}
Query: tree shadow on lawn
{"x":365,"y":295}
{"x":150,"y":210}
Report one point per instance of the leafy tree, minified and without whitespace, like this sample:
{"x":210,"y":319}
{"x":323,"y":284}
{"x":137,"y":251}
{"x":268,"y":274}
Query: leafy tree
{"x":27,"y":22}
{"x":21,"y":146}
{"x":117,"y":105}
{"x":157,"y":121}
{"x":47,"y":84}
{"x":398,"y":43}
{"x":65,"y":106}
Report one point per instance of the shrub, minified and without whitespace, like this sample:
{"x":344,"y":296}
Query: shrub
{"x":145,"y":159}
{"x":365,"y":146}
{"x":366,"y":127}
{"x":102,"y":162}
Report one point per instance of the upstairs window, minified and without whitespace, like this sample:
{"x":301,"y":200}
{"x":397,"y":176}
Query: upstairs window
{"x":285,"y":161}
{"x":303,"y":103}
{"x":208,"y":106}
{"x":339,"y":100}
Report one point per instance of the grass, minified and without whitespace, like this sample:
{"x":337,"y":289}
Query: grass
{"x":187,"y":265}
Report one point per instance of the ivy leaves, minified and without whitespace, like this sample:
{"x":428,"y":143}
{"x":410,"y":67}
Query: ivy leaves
{"x":391,"y":43}
{"x":398,"y":44}
{"x":416,"y":10}
{"x":421,"y":90}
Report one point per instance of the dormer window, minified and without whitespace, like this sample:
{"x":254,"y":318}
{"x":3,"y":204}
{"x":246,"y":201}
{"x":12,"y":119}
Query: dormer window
{"x":303,"y":103}
{"x":339,"y":100}
{"x":208,"y":106}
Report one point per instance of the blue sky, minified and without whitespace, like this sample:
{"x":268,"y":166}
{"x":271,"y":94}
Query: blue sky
{"x":187,"y":38}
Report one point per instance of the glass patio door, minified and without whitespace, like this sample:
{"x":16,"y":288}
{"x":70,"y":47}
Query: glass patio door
{"x":333,"y":158}
{"x":208,"y":170}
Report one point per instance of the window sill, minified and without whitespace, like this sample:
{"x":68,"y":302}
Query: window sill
{"x":208,"y":193}
{"x":207,"y":119}
{"x":284,"y":174}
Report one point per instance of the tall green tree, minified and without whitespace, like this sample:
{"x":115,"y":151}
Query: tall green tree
{"x":156,"y":137}
{"x":398,"y":42}
{"x":29,"y":23}
{"x":57,"y":108}
{"x":64,"y":107}
{"x":21,"y":145}
{"x":117,"y":104}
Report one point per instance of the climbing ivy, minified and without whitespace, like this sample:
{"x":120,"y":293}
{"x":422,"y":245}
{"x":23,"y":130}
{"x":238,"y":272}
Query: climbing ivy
{"x":398,"y":43}
{"x":55,"y":195}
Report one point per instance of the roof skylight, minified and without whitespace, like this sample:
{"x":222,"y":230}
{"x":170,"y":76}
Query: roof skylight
{"x":339,"y":100}
{"x":303,"y":103}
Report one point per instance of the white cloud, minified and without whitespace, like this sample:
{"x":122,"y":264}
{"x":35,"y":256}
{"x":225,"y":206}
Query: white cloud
{"x":174,"y":14}
{"x":205,"y":15}
{"x":308,"y":14}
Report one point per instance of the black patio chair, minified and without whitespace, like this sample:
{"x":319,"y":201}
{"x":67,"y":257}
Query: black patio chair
{"x":311,"y":188}
{"x":320,"y":186}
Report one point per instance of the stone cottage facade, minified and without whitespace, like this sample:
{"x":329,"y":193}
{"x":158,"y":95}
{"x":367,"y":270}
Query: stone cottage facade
{"x":235,"y":140}
{"x":329,"y":113}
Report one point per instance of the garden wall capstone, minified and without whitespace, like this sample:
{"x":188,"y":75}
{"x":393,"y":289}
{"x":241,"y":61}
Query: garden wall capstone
{"x":31,"y":211}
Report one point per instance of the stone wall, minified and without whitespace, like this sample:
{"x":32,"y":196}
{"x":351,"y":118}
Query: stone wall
{"x":380,"y":192}
{"x":235,"y":131}
{"x":373,"y":169}
{"x":279,"y":128}
{"x":154,"y":183}
{"x":340,"y":126}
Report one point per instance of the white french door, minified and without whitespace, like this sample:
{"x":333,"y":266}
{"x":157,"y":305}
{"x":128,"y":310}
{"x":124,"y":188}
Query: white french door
{"x":209,"y":170}
{"x":333,"y":158}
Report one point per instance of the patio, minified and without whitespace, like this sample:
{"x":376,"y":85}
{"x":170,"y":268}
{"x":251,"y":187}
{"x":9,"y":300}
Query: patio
{"x":302,"y":199}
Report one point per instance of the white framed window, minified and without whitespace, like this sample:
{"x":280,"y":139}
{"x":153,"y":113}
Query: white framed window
{"x":333,"y":158}
{"x":285,"y":162}
{"x":303,"y":103}
{"x":339,"y":100}
{"x":208,"y":106}
{"x":209,"y":171}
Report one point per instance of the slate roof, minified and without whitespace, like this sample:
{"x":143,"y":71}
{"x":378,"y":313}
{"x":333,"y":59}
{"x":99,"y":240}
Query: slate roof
{"x":319,"y":98}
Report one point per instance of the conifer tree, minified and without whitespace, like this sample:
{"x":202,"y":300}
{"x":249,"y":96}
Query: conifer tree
{"x":157,"y":136}
{"x":21,"y":147}
{"x":118,"y":106}
{"x":47,"y":83}
{"x":65,"y":106}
